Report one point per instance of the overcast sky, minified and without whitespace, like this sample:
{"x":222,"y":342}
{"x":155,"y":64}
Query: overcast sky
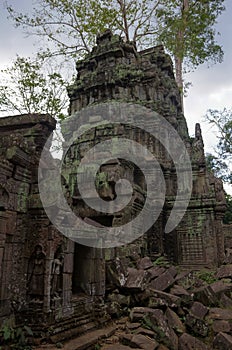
{"x":212,"y":87}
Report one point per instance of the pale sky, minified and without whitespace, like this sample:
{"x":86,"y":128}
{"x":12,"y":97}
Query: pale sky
{"x":212,"y":87}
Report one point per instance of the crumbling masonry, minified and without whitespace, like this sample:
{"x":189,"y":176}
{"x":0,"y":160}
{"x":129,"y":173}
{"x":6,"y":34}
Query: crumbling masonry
{"x":47,"y":278}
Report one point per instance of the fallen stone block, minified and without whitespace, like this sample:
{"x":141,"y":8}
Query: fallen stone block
{"x":217,"y":313}
{"x":188,"y":342}
{"x":159,"y":298}
{"x":225,"y":301}
{"x":206,"y":296}
{"x":224,"y":271}
{"x":137,"y":313}
{"x":136,"y":279}
{"x":174,"y":321}
{"x":220,"y":287}
{"x":156,"y":272}
{"x":158,"y":322}
{"x":221,"y":326}
{"x":139,"y":341}
{"x":222,"y":341}
{"x":199,"y":310}
{"x":196,"y":325}
{"x":163,"y":282}
{"x":144,"y":263}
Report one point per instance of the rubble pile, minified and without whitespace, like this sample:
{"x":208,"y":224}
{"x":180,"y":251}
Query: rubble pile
{"x":160,"y":307}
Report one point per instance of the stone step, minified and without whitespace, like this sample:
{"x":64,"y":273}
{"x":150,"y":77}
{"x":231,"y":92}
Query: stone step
{"x":73,"y":332}
{"x":72,"y":322}
{"x":85,"y":341}
{"x":64,"y":327}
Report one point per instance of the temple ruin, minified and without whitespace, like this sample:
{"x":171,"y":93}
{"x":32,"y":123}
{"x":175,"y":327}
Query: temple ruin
{"x":51,"y":280}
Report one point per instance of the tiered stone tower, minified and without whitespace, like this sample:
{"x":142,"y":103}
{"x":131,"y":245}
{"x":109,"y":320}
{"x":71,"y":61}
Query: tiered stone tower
{"x":47,"y":278}
{"x":115,"y":71}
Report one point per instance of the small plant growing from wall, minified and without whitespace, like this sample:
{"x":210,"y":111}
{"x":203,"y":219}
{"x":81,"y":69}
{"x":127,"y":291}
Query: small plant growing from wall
{"x":14,"y":337}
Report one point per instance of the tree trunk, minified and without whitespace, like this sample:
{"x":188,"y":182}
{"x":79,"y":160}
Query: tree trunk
{"x":180,"y":50}
{"x":124,"y":18}
{"x":179,"y":78}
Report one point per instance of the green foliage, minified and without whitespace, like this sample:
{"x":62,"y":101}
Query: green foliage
{"x":146,"y":323}
{"x":220,"y":164}
{"x":161,"y":261}
{"x":206,"y":276}
{"x":72,"y":25}
{"x":15,"y":338}
{"x":25,"y":88}
{"x":228,"y":214}
{"x":186,"y":28}
{"x":221,"y":120}
{"x":101,"y":180}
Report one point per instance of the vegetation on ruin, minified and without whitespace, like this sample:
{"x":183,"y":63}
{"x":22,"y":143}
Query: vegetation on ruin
{"x":26,"y":88}
{"x":220,"y":162}
{"x":186,"y":28}
{"x":15,"y":337}
{"x":221,"y":121}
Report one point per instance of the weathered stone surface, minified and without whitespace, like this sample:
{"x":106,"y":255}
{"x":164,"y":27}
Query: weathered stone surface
{"x":221,"y":326}
{"x":156,"y":271}
{"x":136,"y":279}
{"x":159,"y":298}
{"x":221,"y":287}
{"x":224,"y":271}
{"x":144,"y":331}
{"x":144,"y":263}
{"x":225,"y":301}
{"x":180,"y":291}
{"x":198,"y":310}
{"x":140,"y":341}
{"x":196,"y":326}
{"x":222,"y":341}
{"x":60,"y":285}
{"x":206,"y":296}
{"x":163,"y":282}
{"x":188,"y":342}
{"x":217,"y":313}
{"x":116,"y":273}
{"x":137,"y":313}
{"x":118,"y":347}
{"x":162,"y":347}
{"x":174,"y":321}
{"x":133,"y":326}
{"x":164,"y":333}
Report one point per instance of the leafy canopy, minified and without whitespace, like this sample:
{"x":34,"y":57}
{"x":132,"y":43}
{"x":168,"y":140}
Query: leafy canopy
{"x":187,"y":29}
{"x":72,"y":25}
{"x":26,"y":88}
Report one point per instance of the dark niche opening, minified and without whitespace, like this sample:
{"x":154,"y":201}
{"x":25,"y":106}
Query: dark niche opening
{"x":106,"y":220}
{"x":82,"y":270}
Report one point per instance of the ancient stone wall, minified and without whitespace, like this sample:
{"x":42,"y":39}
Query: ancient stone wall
{"x":47,"y":278}
{"x":22,"y":140}
{"x":44,"y":277}
{"x":115,"y":71}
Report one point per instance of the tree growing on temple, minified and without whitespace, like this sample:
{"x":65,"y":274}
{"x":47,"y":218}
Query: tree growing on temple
{"x":187,"y":30}
{"x":186,"y":27}
{"x":71,"y":26}
{"x":221,"y":162}
{"x":25,"y":88}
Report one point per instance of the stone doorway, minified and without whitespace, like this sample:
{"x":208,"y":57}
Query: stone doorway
{"x":88,"y":271}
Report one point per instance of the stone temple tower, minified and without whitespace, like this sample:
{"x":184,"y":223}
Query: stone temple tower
{"x":55,"y":282}
{"x":116,"y":71}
